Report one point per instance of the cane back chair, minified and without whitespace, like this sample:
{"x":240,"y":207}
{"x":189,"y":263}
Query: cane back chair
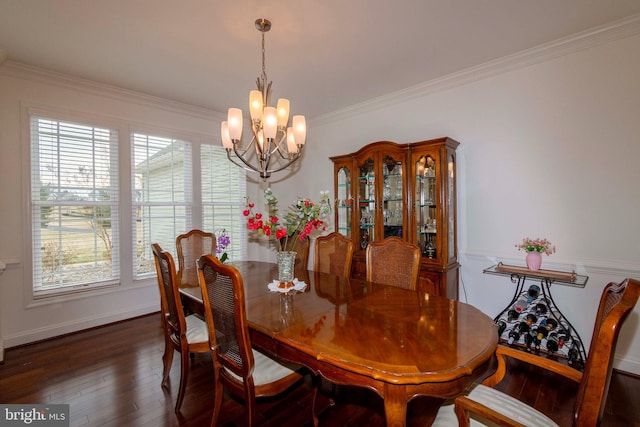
{"x":184,"y":334}
{"x":485,"y":405}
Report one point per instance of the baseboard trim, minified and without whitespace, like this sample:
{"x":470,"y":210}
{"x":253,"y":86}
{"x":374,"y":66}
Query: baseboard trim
{"x":77,"y":325}
{"x":627,"y":365}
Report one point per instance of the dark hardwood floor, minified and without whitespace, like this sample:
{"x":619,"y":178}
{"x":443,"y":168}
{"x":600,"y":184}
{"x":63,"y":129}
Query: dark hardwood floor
{"x":111,"y":376}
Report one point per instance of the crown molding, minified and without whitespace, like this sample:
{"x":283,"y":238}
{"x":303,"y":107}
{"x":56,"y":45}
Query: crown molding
{"x":40,"y":75}
{"x":584,"y":40}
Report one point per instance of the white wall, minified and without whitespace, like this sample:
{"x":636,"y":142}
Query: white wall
{"x":549,"y":148}
{"x":22,"y":320}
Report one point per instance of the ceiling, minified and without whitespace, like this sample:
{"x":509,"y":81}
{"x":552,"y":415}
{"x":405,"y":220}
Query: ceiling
{"x":324,"y":55}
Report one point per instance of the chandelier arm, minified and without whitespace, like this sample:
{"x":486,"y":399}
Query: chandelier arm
{"x":279,"y":147}
{"x":289,"y":163}
{"x":242,"y":153}
{"x":248,"y":166}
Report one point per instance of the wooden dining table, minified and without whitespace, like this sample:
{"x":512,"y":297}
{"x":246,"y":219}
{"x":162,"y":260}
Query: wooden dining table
{"x":399,"y":343}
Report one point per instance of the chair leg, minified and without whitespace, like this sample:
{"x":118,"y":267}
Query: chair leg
{"x":184,"y":375}
{"x":317,"y":382}
{"x":167,"y":360}
{"x":217,"y":402}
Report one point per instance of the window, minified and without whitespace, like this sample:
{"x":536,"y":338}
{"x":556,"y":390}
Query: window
{"x":223,"y":198}
{"x":162,"y":196}
{"x":74,"y":205}
{"x":78,"y":239}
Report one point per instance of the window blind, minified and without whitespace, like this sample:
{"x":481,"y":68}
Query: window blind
{"x":74,"y":206}
{"x":223,"y":198}
{"x":162,"y":196}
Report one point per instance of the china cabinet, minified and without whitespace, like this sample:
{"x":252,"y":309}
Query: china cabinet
{"x":406,"y":190}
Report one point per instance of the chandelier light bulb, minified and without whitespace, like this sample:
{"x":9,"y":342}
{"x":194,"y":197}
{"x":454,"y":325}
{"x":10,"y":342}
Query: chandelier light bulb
{"x":270,"y":124}
{"x":255,"y":105}
{"x":299,"y":129}
{"x":234,"y":119}
{"x":283,"y":112}
{"x":292,"y":147}
{"x":224,"y":133}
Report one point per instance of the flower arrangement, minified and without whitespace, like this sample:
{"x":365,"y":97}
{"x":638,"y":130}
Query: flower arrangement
{"x":537,"y":245}
{"x":222,"y":242}
{"x":297,"y":223}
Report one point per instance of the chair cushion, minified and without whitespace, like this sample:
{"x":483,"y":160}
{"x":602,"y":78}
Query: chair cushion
{"x":499,"y":402}
{"x":267,"y":370}
{"x":196,"y":329}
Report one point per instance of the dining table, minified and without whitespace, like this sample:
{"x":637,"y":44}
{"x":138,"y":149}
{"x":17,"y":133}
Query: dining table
{"x":399,"y":343}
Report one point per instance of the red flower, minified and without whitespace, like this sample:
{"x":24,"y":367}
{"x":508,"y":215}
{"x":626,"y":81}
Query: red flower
{"x":246,"y":212}
{"x":251,"y":205}
{"x":280,"y":233}
{"x":258,"y":215}
{"x":273,"y":220}
{"x":267,"y":230}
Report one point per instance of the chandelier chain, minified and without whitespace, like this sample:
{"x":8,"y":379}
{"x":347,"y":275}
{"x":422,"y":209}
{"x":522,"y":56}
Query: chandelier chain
{"x":264,"y":72}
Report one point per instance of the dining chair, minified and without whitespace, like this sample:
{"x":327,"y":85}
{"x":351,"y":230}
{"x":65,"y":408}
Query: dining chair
{"x":333,"y":254}
{"x":487,"y":403}
{"x":184,"y":334}
{"x":302,"y":248}
{"x":243,"y":370}
{"x":189,"y":247}
{"x":394,"y":262}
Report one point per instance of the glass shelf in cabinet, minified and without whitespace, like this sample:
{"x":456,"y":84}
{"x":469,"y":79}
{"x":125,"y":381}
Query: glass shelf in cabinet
{"x":427,"y":232}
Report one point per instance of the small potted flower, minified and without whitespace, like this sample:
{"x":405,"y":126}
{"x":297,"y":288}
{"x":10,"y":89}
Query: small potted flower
{"x":535,"y":248}
{"x":222,"y":242}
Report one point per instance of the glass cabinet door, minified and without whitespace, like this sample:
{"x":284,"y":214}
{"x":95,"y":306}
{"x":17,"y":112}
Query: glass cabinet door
{"x":426,"y":210}
{"x":451,"y":207}
{"x":345,"y":202}
{"x":366,"y":202}
{"x":392,"y":197}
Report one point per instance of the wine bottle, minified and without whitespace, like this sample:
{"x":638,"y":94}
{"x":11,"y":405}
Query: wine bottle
{"x":563,"y":337}
{"x":573,"y":355}
{"x":551,"y":324}
{"x":502,"y":325}
{"x":528,"y":338}
{"x":520,"y":305}
{"x":552,"y":342}
{"x":543,"y":323}
{"x":514,"y":336}
{"x":541,"y":309}
{"x":533,"y":292}
{"x":512,"y":315}
{"x":542,"y":334}
{"x":531,"y":319}
{"x":517,"y":331}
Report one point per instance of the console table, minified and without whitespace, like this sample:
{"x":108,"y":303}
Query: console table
{"x":532,"y":321}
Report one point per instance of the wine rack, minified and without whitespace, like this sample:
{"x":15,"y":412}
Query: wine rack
{"x":532,"y":321}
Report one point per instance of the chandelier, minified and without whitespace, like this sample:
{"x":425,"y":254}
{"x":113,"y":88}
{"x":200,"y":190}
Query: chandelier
{"x":274,"y":145}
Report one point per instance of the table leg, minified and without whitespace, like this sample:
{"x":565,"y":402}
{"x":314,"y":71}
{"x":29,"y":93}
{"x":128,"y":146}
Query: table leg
{"x":395,"y":405}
